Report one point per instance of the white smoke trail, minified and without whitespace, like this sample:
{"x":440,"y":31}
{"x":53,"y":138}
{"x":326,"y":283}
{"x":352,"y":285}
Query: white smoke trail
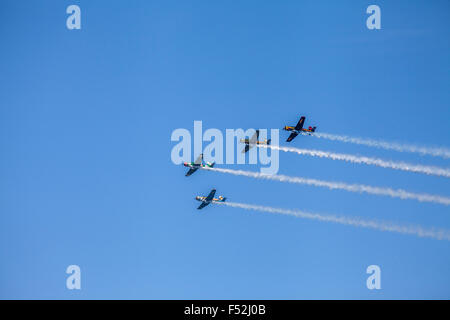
{"x":437,"y":171}
{"x":440,"y":234}
{"x":360,"y":188}
{"x":432,"y":151}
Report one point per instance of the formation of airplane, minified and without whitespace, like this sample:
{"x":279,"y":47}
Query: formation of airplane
{"x":197,"y":164}
{"x":249,"y":143}
{"x":209,"y":199}
{"x":298,"y":129}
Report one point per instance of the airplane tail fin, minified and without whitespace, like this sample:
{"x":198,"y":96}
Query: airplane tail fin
{"x":313,"y":129}
{"x":211,"y":164}
{"x":222,"y":199}
{"x":268,"y":141}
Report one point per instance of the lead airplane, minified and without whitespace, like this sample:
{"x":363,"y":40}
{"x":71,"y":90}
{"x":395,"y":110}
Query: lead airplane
{"x":197,"y":164}
{"x":298,"y":129}
{"x":209,"y":199}
{"x":249,"y":143}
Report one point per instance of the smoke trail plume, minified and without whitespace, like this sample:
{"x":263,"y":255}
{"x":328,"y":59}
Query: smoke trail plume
{"x":439,"y":234}
{"x":359,"y":188}
{"x":443,"y":172}
{"x":431,"y":151}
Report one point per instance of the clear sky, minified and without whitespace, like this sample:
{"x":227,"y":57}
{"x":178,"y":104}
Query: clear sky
{"x":87,"y":179}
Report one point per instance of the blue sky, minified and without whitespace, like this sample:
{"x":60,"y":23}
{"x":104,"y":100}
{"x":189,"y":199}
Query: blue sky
{"x":86,"y":117}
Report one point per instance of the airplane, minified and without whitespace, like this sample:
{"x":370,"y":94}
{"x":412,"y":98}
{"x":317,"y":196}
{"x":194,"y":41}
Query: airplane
{"x":298,"y":129}
{"x":198,"y":163}
{"x":209,"y":199}
{"x":249,"y":143}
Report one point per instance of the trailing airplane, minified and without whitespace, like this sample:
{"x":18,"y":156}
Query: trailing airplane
{"x":209,"y":199}
{"x":299,"y":129}
{"x":249,"y":143}
{"x":197,"y":164}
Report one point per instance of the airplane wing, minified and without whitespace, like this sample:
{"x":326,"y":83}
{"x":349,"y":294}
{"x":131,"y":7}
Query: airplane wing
{"x":254,"y":138}
{"x":246,"y":148}
{"x":204,"y":204}
{"x":291,"y":136}
{"x":300,"y":123}
{"x":191,"y":171}
{"x":211,"y":195}
{"x":199,"y":159}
